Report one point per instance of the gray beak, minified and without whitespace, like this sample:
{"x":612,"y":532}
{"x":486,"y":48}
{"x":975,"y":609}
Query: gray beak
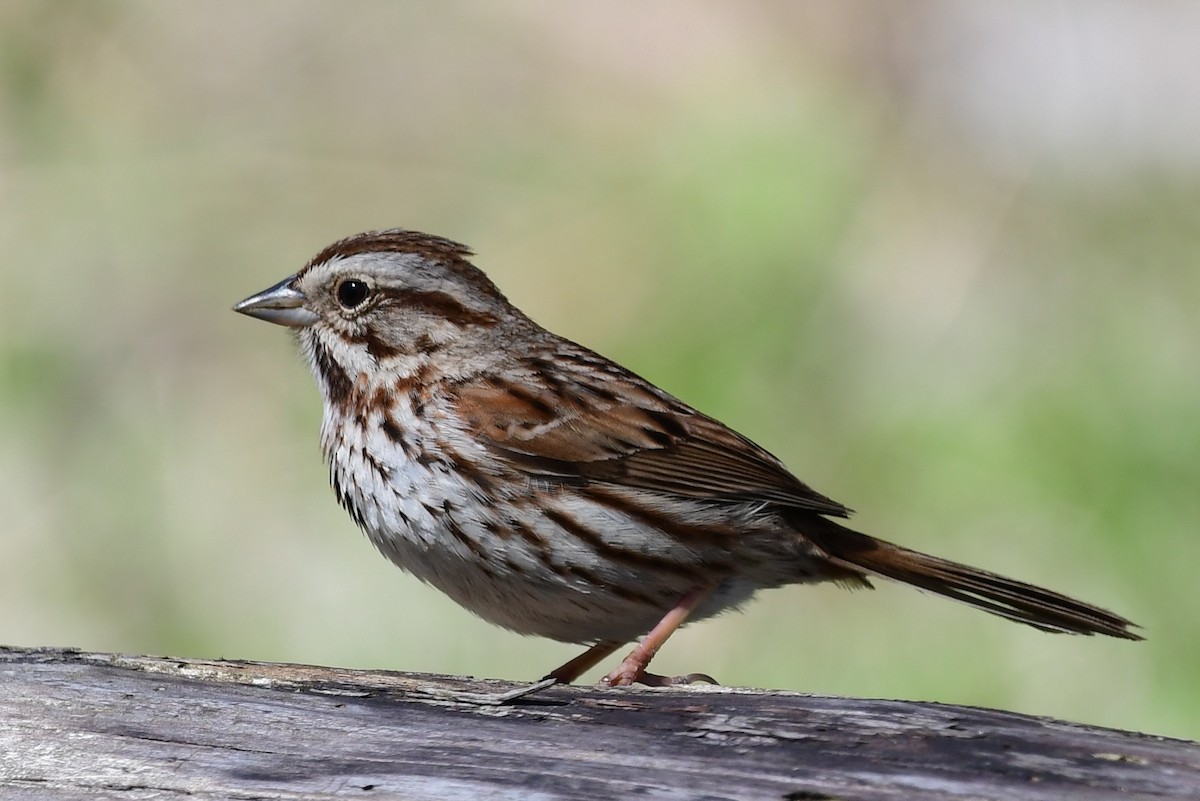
{"x":282,"y":304}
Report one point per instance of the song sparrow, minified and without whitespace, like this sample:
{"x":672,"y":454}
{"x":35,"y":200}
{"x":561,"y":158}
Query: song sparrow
{"x":552,"y":491}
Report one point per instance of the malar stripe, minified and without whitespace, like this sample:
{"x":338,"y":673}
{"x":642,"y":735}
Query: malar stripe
{"x":337,"y":381}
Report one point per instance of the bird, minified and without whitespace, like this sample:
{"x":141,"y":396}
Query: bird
{"x":553,"y":492}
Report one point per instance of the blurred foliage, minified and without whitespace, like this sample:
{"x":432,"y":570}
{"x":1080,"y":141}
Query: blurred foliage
{"x":988,"y":347}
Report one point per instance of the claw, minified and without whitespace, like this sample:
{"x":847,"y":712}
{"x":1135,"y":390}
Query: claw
{"x":633,"y":667}
{"x":655,"y":680}
{"x":698,"y":678}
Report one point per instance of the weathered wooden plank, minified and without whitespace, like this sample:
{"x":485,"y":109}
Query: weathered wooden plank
{"x":86,"y":726}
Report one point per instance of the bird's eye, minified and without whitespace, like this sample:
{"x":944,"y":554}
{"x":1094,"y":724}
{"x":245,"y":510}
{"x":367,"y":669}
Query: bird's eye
{"x":352,"y":293}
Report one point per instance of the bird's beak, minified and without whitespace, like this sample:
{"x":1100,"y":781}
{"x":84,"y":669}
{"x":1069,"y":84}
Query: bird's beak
{"x":282,"y":304}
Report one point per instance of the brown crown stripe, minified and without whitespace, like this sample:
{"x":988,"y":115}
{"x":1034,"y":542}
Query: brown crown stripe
{"x":393,"y":240}
{"x":640,"y":561}
{"x":451,"y":255}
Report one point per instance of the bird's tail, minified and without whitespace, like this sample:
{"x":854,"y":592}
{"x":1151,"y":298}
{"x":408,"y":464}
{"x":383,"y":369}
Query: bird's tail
{"x":1015,"y":600}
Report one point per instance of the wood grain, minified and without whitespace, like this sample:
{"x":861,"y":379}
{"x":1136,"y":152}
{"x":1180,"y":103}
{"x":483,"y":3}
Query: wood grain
{"x":88,"y":726}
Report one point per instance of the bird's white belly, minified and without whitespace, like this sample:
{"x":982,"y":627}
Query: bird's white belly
{"x":497,"y":553}
{"x":501,"y":560}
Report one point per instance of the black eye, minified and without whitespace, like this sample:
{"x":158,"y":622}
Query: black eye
{"x":351,"y":293}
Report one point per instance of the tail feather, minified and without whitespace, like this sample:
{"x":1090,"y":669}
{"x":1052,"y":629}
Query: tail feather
{"x":1008,"y":598}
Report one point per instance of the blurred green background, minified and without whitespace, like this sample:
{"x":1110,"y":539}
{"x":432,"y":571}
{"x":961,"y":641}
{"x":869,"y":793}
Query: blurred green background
{"x":939,"y":257}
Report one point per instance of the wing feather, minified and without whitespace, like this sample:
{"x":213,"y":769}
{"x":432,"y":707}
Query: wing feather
{"x":572,"y":430}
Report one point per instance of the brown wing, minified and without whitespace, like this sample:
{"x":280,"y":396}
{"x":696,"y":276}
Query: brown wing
{"x":623,"y":431}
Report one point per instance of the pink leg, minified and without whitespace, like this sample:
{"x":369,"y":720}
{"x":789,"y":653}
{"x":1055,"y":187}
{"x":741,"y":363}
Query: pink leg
{"x":583,"y":663}
{"x":561,"y":675}
{"x":633,"y":667}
